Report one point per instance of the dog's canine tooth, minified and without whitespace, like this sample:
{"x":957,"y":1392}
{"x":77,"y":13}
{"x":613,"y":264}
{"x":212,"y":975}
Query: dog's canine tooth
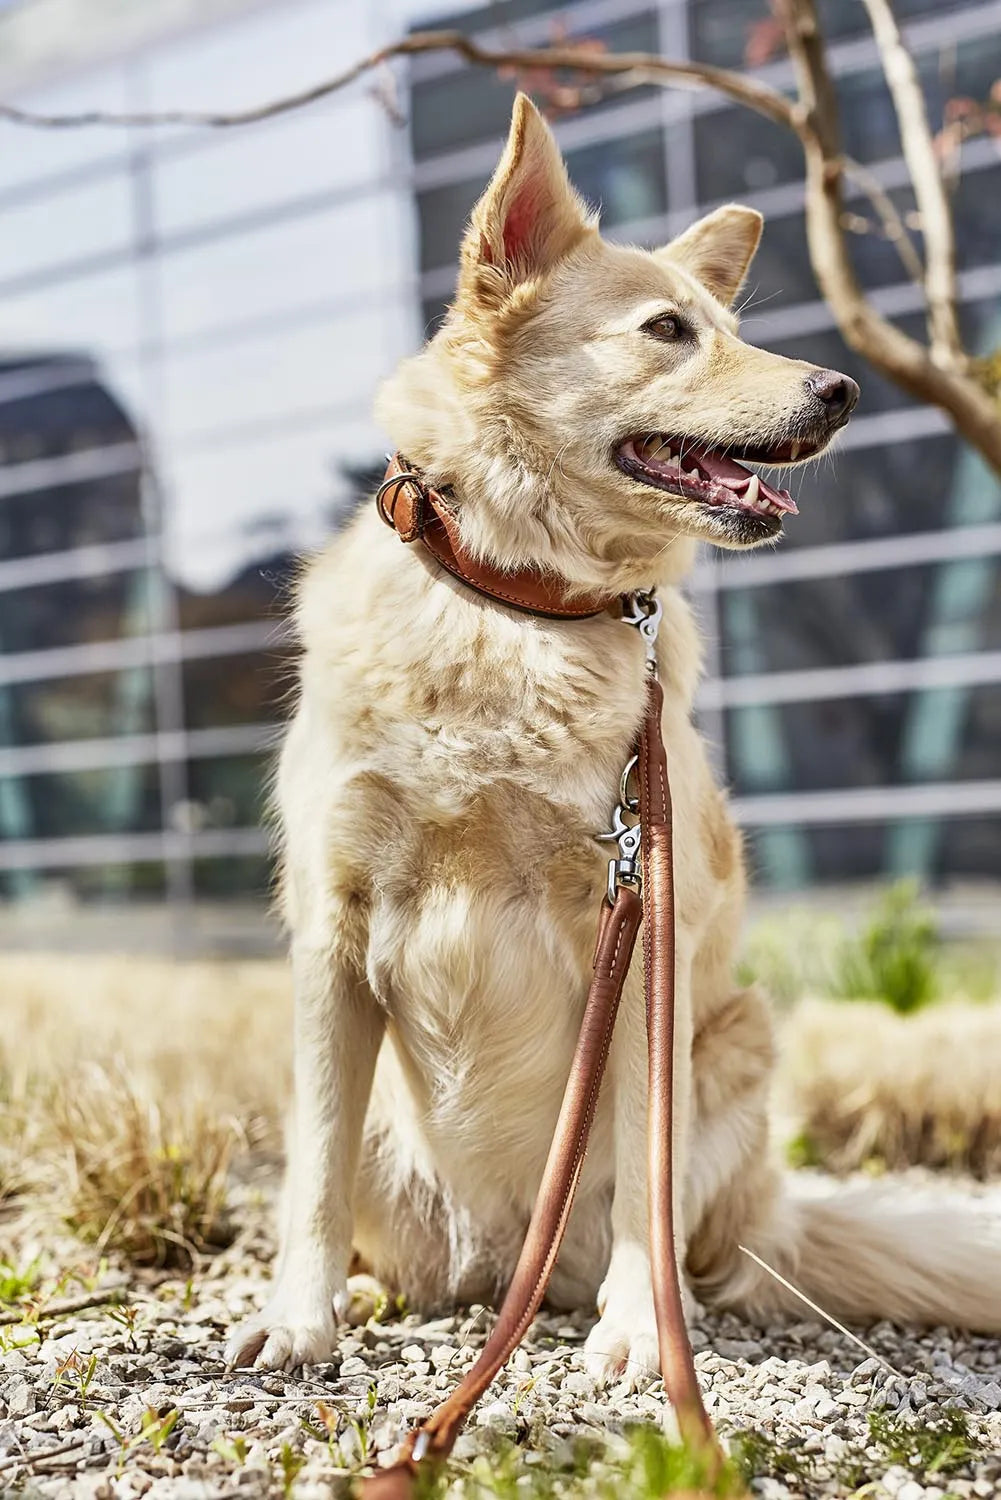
{"x":794,"y":451}
{"x":752,"y":491}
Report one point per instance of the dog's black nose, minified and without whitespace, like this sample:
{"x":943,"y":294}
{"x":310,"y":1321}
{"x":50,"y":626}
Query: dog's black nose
{"x":838,"y":392}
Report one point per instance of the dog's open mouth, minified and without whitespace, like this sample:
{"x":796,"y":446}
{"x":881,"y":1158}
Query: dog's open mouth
{"x":696,"y":471}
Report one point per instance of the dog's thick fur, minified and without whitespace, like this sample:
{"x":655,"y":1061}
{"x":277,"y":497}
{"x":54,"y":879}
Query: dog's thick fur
{"x":442,"y":780}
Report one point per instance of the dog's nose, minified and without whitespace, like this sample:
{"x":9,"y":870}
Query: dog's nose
{"x":838,"y":392}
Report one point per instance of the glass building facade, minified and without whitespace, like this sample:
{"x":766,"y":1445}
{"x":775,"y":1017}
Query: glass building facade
{"x":853,"y":694}
{"x":192,"y":326}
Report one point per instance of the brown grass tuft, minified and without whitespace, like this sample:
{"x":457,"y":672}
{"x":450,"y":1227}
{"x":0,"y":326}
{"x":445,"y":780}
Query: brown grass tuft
{"x":132,"y":1175}
{"x":866,"y":1088}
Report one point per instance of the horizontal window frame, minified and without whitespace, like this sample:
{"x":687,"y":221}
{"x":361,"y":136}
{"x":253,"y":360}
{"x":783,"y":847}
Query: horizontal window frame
{"x":92,"y":560}
{"x":869,"y":804}
{"x":166,"y":845}
{"x":115,"y":752}
{"x":861,"y":680}
{"x":150,"y":650}
{"x":846,"y":559}
{"x":77,"y":467}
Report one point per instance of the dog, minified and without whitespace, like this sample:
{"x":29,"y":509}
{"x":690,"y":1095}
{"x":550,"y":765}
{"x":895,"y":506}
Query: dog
{"x":590,"y":407}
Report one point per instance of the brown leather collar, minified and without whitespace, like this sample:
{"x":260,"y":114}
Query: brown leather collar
{"x":416,"y":512}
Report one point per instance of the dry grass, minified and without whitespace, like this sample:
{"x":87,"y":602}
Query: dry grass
{"x":134,"y":1175}
{"x":218,"y":1033}
{"x":130,"y":1087}
{"x":130,"y":1090}
{"x":867,"y":1088}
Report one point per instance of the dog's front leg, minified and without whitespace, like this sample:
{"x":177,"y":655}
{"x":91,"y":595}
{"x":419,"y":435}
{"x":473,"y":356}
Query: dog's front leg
{"x":623,"y":1343}
{"x":338,"y":1029}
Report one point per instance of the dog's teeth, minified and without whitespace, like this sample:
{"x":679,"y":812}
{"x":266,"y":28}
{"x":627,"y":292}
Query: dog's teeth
{"x":691,"y":473}
{"x":794,"y":452}
{"x":751,"y":493}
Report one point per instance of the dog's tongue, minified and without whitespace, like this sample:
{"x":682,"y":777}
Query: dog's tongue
{"x":733,"y":476}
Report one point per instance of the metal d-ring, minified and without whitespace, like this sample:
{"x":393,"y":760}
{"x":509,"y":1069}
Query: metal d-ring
{"x":394,"y":482}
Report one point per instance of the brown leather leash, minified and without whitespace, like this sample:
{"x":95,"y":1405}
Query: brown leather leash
{"x":415,"y":510}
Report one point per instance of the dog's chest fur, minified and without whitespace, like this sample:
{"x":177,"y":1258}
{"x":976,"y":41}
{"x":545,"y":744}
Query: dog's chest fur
{"x":460,"y":759}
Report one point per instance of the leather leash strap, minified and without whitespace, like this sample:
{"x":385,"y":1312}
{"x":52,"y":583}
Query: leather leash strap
{"x":619,"y":924}
{"x":433,"y":1440}
{"x":677,"y":1363}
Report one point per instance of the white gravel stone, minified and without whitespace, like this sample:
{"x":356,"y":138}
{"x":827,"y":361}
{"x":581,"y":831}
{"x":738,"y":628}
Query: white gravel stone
{"x":19,"y":1397}
{"x":800,"y":1386}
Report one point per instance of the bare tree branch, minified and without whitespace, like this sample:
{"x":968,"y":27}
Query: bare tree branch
{"x":903,"y":359}
{"x":645,"y":66}
{"x":939,"y":376}
{"x":929,"y":188}
{"x":893,"y":225}
{"x":627,"y":70}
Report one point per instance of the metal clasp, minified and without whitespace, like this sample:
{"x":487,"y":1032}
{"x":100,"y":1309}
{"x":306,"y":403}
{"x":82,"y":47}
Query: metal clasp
{"x":644,"y":611}
{"x":623,"y":868}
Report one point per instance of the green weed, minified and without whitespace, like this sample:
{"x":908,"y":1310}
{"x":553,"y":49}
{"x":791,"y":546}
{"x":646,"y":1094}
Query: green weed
{"x":233,"y":1449}
{"x":18,"y":1284}
{"x":895,"y":957}
{"x":154,"y":1429}
{"x":641,"y":1465}
{"x":290,"y":1462}
{"x":940,"y":1447}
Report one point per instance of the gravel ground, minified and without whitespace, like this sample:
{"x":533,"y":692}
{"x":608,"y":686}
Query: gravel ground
{"x":120,"y":1401}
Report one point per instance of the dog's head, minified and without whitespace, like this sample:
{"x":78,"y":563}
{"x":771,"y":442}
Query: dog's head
{"x":592,"y":404}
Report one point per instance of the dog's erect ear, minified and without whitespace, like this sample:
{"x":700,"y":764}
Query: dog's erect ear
{"x":718,"y":249}
{"x":528,"y":218}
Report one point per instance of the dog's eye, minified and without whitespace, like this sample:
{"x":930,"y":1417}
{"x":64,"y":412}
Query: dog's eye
{"x":666,"y":326}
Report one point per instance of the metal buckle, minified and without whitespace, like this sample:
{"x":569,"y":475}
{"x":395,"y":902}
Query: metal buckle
{"x":406,"y":476}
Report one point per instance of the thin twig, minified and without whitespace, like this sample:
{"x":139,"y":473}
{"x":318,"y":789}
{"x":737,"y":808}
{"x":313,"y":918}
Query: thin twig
{"x":812,"y":117}
{"x":640,"y":67}
{"x":68,"y":1305}
{"x":894,"y":353}
{"x":39,"y":1455}
{"x":893,"y":224}
{"x":929,"y":187}
{"x":820,"y":1311}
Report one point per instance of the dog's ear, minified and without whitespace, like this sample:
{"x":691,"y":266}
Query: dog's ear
{"x":528,"y":218}
{"x":718,"y":249}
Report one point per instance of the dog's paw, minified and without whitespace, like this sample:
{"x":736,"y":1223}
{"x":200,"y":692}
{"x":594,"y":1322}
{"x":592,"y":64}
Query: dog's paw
{"x":623,"y":1344}
{"x":283,"y":1337}
{"x":623,"y":1347}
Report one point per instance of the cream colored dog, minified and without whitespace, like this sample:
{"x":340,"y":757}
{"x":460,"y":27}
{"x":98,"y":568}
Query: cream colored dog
{"x":447,"y":769}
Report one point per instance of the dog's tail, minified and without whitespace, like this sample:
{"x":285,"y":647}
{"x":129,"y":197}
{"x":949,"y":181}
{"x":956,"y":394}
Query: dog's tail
{"x":871,"y":1252}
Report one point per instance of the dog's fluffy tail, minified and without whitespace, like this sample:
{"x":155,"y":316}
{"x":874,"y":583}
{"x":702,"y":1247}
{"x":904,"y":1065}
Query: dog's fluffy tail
{"x":871,"y":1252}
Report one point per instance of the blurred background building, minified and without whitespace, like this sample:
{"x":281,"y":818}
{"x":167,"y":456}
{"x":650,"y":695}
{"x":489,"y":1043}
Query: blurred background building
{"x":192,"y":325}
